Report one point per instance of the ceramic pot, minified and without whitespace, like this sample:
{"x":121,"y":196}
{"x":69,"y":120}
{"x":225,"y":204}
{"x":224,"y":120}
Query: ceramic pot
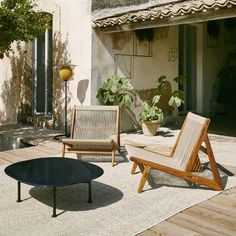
{"x":150,"y":127}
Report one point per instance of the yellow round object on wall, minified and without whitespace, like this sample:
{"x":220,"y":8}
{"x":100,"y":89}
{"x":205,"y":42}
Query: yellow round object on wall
{"x":65,"y":72}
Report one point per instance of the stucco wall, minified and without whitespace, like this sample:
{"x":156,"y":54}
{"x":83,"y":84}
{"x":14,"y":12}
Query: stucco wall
{"x":132,"y":58}
{"x":11,"y":75}
{"x":73,"y":20}
{"x":123,"y":54}
{"x":72,"y":36}
{"x":5,"y":72}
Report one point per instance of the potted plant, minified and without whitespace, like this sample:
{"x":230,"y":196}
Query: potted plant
{"x":119,"y":91}
{"x":151,"y":116}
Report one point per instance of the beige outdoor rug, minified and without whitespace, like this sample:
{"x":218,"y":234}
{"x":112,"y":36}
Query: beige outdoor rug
{"x":117,"y":208}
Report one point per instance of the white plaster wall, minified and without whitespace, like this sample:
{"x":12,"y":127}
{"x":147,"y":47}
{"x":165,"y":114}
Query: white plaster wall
{"x":146,"y":70}
{"x":5,"y":73}
{"x":8,"y":113}
{"x":102,"y":61}
{"x":73,"y":20}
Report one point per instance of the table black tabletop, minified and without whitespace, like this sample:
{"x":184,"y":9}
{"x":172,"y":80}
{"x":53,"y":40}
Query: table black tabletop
{"x":53,"y":171}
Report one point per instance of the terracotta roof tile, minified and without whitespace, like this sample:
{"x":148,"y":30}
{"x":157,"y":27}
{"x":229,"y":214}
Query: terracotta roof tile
{"x":168,"y":10}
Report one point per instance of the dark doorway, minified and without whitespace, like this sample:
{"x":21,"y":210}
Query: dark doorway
{"x":187,"y":65}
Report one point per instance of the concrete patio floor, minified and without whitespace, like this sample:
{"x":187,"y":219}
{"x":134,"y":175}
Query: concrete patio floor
{"x":224,"y":148}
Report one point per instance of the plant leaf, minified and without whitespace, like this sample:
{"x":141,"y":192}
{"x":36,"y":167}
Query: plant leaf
{"x":156,"y":99}
{"x":171,"y":101}
{"x":114,"y":88}
{"x":125,"y":100}
{"x":177,"y":101}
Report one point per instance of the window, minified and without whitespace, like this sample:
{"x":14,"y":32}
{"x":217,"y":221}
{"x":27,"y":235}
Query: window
{"x":42,"y":74}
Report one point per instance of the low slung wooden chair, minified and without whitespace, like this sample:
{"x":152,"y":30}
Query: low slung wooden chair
{"x":95,"y":130}
{"x":183,"y":156}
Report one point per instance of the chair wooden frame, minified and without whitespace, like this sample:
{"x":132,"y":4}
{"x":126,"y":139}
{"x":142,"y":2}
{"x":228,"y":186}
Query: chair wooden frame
{"x":114,"y":144}
{"x":215,"y":183}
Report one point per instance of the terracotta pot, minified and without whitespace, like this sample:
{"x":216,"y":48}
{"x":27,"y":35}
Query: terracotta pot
{"x":150,"y":127}
{"x":65,"y":73}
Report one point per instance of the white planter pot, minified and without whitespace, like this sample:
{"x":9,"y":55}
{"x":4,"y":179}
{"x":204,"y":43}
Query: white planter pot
{"x":150,"y":127}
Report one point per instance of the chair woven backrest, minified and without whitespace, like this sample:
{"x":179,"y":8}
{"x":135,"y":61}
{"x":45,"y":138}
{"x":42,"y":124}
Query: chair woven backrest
{"x":95,"y":122}
{"x":188,"y":139}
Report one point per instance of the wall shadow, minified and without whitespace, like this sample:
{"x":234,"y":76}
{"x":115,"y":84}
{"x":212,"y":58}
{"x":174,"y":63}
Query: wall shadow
{"x":60,"y":57}
{"x":17,"y":91}
{"x":82,"y":89}
{"x":17,"y":95}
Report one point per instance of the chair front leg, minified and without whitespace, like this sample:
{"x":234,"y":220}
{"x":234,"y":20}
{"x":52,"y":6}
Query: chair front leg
{"x":63,"y":150}
{"x":134,"y":168}
{"x":144,"y":178}
{"x":113,"y":158}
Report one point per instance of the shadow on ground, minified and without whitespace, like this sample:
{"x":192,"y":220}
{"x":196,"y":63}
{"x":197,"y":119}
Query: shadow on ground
{"x":158,"y":178}
{"x":75,"y":197}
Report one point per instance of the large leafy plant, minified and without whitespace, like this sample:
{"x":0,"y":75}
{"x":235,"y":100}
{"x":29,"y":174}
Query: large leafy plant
{"x":118,"y":90}
{"x":20,"y":21}
{"x":115,"y":90}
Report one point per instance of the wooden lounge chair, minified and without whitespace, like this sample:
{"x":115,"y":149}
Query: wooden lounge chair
{"x":95,"y":130}
{"x":183,"y":156}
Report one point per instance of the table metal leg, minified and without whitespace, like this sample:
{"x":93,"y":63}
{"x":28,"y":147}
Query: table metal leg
{"x":18,"y":192}
{"x":54,"y":202}
{"x":90,"y":192}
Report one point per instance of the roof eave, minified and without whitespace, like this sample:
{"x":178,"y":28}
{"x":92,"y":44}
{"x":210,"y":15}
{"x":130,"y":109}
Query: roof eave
{"x":143,"y":19}
{"x":179,"y":20}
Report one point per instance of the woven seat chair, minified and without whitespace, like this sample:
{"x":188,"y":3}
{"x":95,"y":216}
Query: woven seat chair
{"x":183,"y":157}
{"x":95,"y":130}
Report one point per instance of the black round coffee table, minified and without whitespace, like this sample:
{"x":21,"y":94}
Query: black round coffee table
{"x":54,"y":172}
